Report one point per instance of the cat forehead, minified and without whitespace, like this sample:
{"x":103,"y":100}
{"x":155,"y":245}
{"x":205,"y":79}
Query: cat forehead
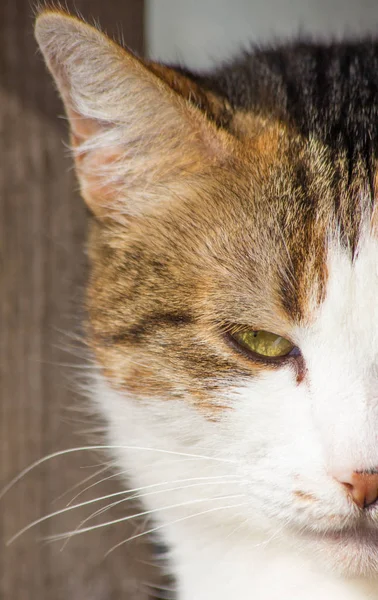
{"x":310,"y":200}
{"x":345,"y":323}
{"x":263,"y":252}
{"x":352,"y":284}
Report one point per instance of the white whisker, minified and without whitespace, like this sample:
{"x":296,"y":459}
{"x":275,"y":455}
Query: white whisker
{"x":138,"y":496}
{"x":105,"y":447}
{"x":92,"y":485}
{"x":165,"y":592}
{"x":149,"y":531}
{"x":60,"y":536}
{"x":82,"y":482}
{"x":119,"y":493}
{"x":271,"y":538}
{"x":236,"y":529}
{"x":119,"y":473}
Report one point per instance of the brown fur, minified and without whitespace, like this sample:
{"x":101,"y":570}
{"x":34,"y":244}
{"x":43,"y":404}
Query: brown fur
{"x":213,"y":224}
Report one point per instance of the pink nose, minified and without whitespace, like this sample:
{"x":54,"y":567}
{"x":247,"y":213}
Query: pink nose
{"x":362,"y":487}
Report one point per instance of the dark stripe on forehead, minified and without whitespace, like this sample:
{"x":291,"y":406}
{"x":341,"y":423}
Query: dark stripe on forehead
{"x":332,"y":198}
{"x":304,"y":280}
{"x":353,"y":197}
{"x":148,"y":326}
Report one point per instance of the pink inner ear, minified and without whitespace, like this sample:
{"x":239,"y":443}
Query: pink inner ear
{"x":99,"y":184}
{"x":159,"y":136}
{"x":98,"y":177}
{"x":81,"y":127}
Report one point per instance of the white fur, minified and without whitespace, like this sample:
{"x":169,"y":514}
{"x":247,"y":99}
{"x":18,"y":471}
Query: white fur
{"x":279,"y":438}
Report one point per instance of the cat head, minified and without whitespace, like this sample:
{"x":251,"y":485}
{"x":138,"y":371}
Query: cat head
{"x":234,"y":257}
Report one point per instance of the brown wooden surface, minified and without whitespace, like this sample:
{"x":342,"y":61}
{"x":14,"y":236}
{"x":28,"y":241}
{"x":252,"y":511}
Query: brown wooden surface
{"x":42,"y":274}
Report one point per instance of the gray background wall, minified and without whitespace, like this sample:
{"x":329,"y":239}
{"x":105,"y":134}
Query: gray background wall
{"x":199,"y":33}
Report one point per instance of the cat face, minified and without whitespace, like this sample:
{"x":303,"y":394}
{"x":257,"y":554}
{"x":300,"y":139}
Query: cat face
{"x":298,"y":429}
{"x":211,"y":217}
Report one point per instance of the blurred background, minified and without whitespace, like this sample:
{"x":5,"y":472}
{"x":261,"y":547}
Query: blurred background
{"x":42,"y":274}
{"x":201,"y":33}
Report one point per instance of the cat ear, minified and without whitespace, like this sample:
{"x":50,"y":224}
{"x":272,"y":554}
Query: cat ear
{"x":134,"y":125}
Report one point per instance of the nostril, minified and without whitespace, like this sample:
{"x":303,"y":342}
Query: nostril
{"x":361,"y":486}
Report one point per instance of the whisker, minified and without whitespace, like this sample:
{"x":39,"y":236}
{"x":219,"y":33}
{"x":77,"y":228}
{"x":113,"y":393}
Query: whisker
{"x":138,"y":496}
{"x":92,"y":485}
{"x":60,"y":512}
{"x":106,"y":497}
{"x":84,"y":367}
{"x":164,"y":592}
{"x":119,"y":473}
{"x":236,"y":529}
{"x":272,"y":537}
{"x":204,"y":512}
{"x":83,"y":482}
{"x":60,"y":536}
{"x":44,"y":459}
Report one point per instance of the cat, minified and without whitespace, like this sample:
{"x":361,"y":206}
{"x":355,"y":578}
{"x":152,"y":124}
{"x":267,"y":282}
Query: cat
{"x":232,"y":303}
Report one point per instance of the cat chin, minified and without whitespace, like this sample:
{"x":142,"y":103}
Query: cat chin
{"x":349,"y":554}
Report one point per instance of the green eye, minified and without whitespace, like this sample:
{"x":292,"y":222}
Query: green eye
{"x":263,"y":343}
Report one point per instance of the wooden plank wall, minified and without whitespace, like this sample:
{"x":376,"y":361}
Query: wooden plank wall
{"x":42,"y":273}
